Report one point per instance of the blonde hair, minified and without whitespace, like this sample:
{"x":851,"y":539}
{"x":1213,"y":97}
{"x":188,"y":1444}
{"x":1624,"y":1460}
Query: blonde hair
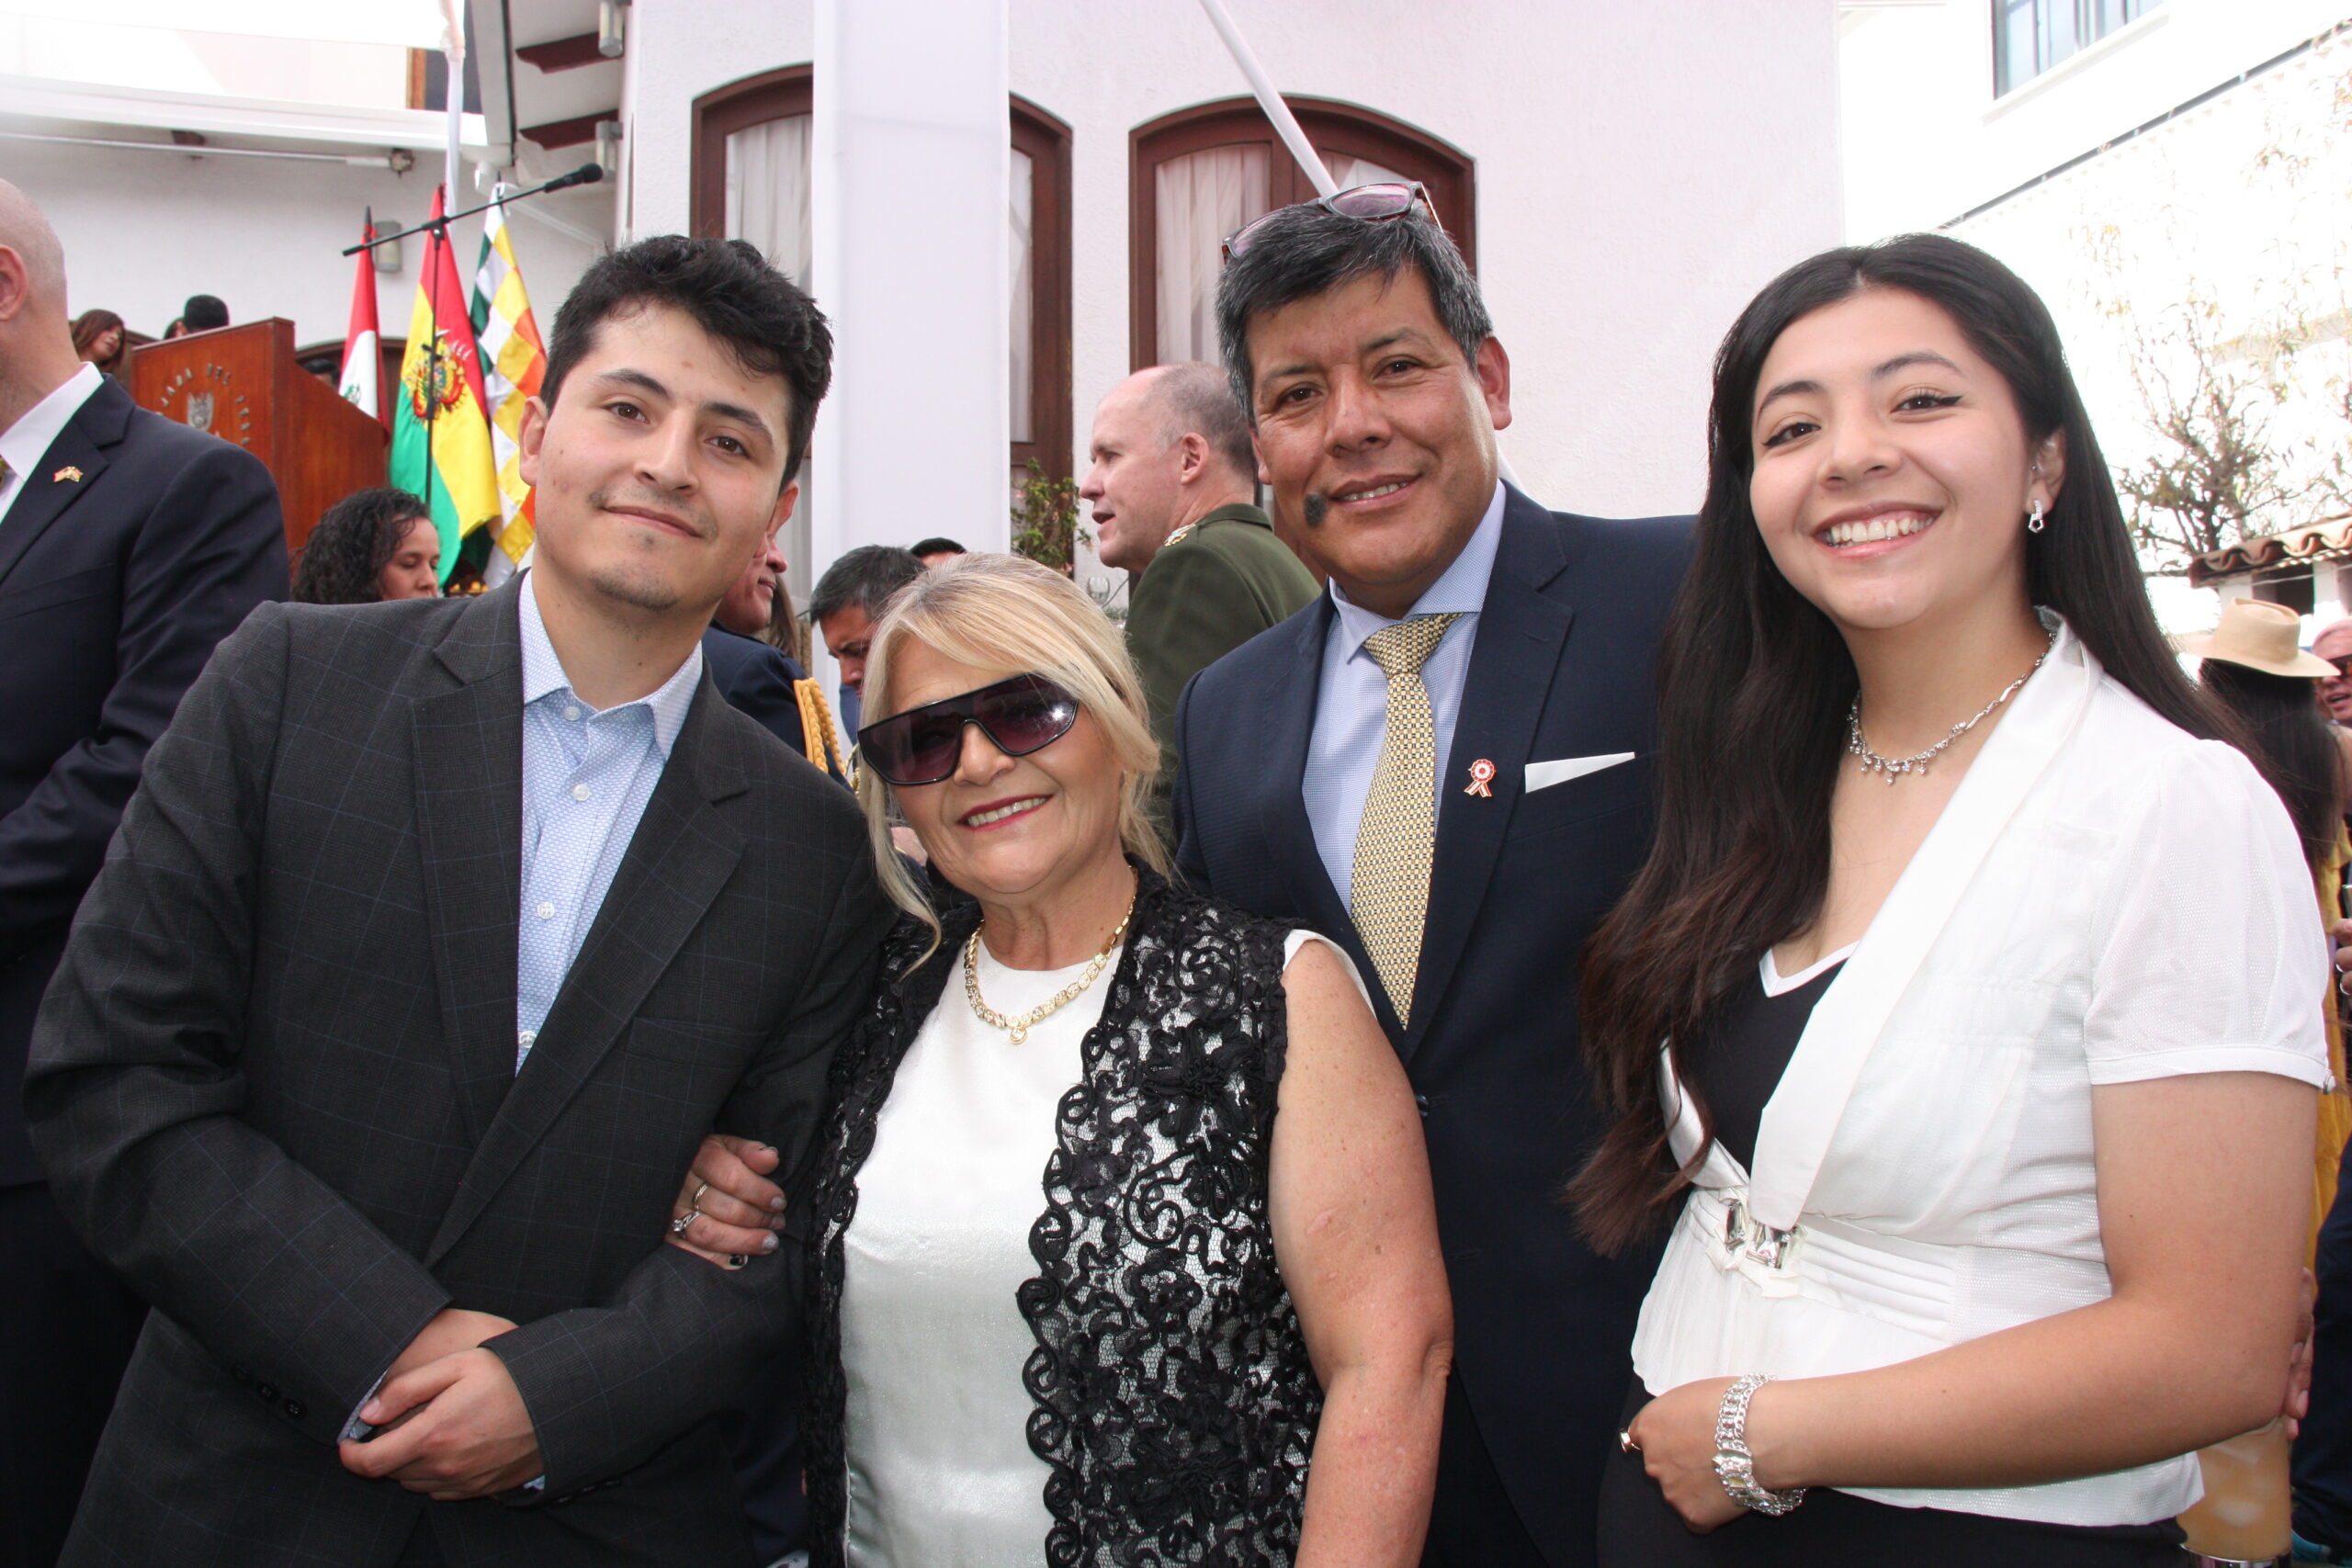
{"x":1002,"y":612}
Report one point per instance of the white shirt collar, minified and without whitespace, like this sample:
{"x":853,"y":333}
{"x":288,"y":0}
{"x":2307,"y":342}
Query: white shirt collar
{"x":543,"y":675}
{"x":1460,"y":590}
{"x":23,"y":443}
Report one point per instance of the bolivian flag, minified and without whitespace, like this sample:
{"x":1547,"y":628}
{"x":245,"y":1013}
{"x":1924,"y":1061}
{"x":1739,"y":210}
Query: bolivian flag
{"x":441,"y":448}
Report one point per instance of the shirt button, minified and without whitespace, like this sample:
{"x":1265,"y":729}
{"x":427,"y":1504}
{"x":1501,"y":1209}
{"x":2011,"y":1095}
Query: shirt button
{"x":545,"y":911}
{"x":572,"y":713}
{"x":580,"y":792}
{"x":527,"y":1039}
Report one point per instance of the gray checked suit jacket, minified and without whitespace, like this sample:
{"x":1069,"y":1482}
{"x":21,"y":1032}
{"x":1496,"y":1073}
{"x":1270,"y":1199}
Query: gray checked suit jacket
{"x":274,"y":1084}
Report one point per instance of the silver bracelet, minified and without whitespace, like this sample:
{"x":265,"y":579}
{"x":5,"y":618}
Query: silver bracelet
{"x":1735,"y":1465}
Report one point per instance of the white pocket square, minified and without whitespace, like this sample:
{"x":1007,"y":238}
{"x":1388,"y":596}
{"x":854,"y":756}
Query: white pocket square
{"x":1543,"y":775}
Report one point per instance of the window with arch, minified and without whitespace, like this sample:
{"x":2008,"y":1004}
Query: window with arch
{"x":1199,"y":174}
{"x":751,"y":181}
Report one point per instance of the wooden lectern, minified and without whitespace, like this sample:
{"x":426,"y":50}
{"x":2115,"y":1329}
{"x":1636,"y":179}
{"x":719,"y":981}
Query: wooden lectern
{"x":242,"y":384}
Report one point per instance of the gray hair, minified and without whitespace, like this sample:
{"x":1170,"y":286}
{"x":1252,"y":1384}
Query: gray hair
{"x":1196,"y":399}
{"x":865,"y":576}
{"x":1296,"y":253}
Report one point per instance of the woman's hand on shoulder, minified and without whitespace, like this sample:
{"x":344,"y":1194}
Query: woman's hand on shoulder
{"x":1675,"y":1435}
{"x":731,"y":1211}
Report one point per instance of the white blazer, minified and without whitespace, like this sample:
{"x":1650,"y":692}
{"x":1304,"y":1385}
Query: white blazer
{"x":2104,"y":900}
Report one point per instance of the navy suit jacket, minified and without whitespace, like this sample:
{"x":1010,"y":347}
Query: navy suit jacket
{"x":1564,"y":667}
{"x":134,"y":546}
{"x":756,"y":679}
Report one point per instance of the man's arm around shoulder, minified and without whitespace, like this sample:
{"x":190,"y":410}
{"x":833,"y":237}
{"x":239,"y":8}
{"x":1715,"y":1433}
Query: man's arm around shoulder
{"x":135,"y":1087}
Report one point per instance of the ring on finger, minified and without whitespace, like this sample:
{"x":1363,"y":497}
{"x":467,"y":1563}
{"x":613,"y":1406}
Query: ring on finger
{"x":1625,"y":1441}
{"x":678,"y":1226}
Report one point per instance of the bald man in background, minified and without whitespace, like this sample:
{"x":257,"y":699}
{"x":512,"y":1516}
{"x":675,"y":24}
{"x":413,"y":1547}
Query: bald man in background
{"x":1173,"y":486}
{"x":128,"y":547}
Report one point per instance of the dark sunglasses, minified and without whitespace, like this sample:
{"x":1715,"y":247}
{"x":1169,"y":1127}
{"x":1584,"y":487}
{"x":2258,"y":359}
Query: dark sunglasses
{"x":1374,"y":204}
{"x":922,"y":746}
{"x":2343,"y":664}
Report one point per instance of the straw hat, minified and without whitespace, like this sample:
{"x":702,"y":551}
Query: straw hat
{"x":2259,"y":636}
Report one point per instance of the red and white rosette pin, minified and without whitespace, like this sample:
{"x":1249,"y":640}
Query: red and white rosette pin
{"x":1482,"y":773}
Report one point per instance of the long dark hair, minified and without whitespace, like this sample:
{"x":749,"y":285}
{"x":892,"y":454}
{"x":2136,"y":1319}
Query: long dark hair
{"x":2290,"y":744}
{"x":1754,"y":684}
{"x":92,"y":325}
{"x":342,"y":561}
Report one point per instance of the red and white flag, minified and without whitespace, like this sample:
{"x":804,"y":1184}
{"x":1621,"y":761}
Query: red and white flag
{"x":363,"y":361}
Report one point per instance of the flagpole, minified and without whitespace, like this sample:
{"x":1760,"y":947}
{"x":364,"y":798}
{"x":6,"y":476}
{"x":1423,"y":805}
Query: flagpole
{"x":453,"y":51}
{"x":1285,"y":123}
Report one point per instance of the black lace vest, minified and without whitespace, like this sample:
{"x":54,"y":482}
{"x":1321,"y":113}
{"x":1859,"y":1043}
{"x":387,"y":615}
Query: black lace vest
{"x":1175,"y":1405}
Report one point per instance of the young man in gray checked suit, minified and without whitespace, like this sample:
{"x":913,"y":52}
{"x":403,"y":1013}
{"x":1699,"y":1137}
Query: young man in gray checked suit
{"x":436,"y":936}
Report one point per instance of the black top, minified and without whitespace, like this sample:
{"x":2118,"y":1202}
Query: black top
{"x":1745,"y":1049}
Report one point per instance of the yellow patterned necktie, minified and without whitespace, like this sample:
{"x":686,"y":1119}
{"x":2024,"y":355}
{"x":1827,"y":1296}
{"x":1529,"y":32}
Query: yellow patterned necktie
{"x":1388,"y":893}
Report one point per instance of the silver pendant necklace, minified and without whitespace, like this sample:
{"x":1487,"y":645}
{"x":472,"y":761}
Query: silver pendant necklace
{"x":1895,"y":767}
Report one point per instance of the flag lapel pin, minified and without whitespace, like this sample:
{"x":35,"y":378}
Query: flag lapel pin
{"x":68,"y":474}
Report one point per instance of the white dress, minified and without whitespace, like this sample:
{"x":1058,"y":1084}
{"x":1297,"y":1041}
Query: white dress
{"x":940,"y":1471}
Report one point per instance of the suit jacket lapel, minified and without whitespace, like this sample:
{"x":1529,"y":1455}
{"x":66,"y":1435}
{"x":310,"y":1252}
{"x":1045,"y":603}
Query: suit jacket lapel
{"x":681,"y":856}
{"x":1523,"y":636}
{"x":1287,"y":721}
{"x":468,"y":740}
{"x":41,"y":497}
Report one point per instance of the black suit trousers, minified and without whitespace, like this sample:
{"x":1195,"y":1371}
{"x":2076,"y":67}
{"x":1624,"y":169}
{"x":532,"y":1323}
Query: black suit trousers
{"x":67,"y":1323}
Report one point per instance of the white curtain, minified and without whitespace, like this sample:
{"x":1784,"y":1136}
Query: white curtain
{"x":1203,"y":197}
{"x":767,"y":192}
{"x":767,"y":203}
{"x":1353,"y":171}
{"x":1021,"y":272}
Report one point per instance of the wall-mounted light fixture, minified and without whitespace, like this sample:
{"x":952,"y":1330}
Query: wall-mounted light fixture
{"x":612,"y":27}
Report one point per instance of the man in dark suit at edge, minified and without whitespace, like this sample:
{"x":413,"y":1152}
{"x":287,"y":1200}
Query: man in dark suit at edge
{"x":129,"y":545}
{"x":756,"y":676}
{"x":436,"y":936}
{"x":1444,"y":763}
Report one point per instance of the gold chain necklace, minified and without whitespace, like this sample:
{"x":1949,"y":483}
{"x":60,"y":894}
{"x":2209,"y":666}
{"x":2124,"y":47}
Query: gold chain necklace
{"x":1020,"y":1027}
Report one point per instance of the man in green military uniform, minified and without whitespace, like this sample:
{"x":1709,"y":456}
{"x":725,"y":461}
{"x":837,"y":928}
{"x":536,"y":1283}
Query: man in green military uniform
{"x":1172,"y":484}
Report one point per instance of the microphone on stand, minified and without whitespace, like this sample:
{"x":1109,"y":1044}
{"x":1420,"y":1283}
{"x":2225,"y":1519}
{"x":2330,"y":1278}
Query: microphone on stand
{"x":585,"y":174}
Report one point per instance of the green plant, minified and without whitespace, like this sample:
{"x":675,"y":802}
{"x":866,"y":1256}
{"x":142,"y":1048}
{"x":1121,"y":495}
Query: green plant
{"x":1045,"y":520}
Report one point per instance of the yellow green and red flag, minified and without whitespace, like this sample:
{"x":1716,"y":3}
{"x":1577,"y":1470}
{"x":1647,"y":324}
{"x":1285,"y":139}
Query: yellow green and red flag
{"x":514,"y":359}
{"x":441,"y":448}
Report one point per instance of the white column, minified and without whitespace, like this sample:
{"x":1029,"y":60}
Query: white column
{"x":911,"y":158}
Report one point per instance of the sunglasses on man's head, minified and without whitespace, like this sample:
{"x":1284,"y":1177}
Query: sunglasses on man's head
{"x":922,"y":746}
{"x":1374,"y":204}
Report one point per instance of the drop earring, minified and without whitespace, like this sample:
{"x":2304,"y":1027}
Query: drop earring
{"x":2033,"y":521}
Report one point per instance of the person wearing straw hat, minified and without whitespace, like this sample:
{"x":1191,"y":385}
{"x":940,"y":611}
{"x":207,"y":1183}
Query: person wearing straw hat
{"x":2253,"y":666}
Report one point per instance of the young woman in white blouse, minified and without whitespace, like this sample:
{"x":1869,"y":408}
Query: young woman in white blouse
{"x":1985,"y":974}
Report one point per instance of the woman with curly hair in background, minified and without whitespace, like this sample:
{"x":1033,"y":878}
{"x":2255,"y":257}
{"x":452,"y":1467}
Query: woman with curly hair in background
{"x":371,"y":545}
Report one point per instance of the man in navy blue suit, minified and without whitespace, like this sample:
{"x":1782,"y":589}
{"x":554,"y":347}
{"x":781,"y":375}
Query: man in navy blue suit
{"x":129,"y":545}
{"x":1444,"y":762}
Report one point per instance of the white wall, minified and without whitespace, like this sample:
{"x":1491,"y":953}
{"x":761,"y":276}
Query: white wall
{"x":2240,"y":204}
{"x":143,"y":231}
{"x":1926,"y":140}
{"x":1642,"y":171}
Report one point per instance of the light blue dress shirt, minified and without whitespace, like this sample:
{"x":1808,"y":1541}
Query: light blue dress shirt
{"x":586,"y":777}
{"x":1351,"y":698}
